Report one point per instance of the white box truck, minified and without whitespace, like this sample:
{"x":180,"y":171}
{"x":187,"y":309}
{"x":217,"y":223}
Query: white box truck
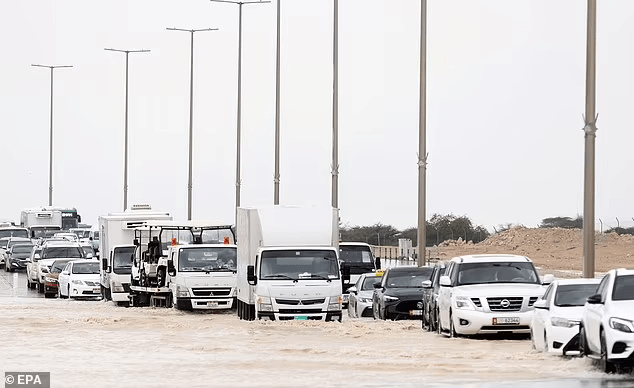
{"x":191,"y":265}
{"x":117,"y":248}
{"x":39,"y":221}
{"x":288,"y":265}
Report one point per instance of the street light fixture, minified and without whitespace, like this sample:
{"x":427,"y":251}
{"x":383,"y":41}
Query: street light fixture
{"x":50,"y":153}
{"x":191,"y":115}
{"x":125,"y":152}
{"x":239,"y":109}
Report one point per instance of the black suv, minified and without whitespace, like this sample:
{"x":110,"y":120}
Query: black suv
{"x":399,"y":294}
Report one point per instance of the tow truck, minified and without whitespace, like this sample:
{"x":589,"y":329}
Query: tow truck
{"x":190,"y":265}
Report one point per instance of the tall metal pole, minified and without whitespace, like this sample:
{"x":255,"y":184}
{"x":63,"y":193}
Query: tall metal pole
{"x":276,"y":178}
{"x":422,"y":146}
{"x":125,"y":145}
{"x":335,"y":108}
{"x":50,"y":151}
{"x":590,"y":130}
{"x":191,"y":118}
{"x":239,"y":109}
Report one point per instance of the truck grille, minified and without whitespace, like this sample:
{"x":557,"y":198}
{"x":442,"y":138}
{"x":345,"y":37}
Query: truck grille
{"x":300,"y":311}
{"x":211,"y":291}
{"x":297,"y":302}
{"x":505,"y":304}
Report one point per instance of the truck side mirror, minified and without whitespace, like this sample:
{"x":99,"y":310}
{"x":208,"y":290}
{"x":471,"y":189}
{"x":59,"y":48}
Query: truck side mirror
{"x":251,"y":278}
{"x":346,"y":273}
{"x":378,"y":263}
{"x":170,"y":267}
{"x":104,"y":265}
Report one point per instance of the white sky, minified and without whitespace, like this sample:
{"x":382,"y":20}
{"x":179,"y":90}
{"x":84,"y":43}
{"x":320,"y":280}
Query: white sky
{"x":506,"y":92}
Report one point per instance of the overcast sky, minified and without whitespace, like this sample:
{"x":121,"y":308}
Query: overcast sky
{"x":506,"y":92}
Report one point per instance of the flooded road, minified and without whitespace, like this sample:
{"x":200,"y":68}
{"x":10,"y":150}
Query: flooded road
{"x":95,"y":343}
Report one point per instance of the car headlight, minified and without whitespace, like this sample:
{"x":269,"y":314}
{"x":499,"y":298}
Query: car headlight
{"x":78,"y":282}
{"x":390,"y":298}
{"x":264,"y":303}
{"x":621,"y":324}
{"x":335,"y":303}
{"x":563,"y":322}
{"x":118,"y":289}
{"x":365,"y":300}
{"x":464,"y":303}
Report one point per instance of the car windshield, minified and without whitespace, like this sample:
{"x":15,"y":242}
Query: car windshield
{"x":86,"y":268}
{"x":18,"y":242}
{"x":623,"y":288}
{"x":55,"y":252}
{"x":3,"y":243}
{"x":58,"y":266}
{"x":218,"y":236}
{"x":23,"y":249}
{"x":410,"y":278}
{"x":122,"y":262}
{"x":369,"y":282}
{"x":207,"y":259}
{"x":569,"y":295}
{"x":299,"y":264}
{"x":14,"y":233}
{"x":88,"y":251}
{"x":497,"y":272}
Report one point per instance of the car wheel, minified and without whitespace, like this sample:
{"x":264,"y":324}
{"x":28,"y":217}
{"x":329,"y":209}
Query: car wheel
{"x":545,"y":342}
{"x":438,"y":326}
{"x":605,"y":365}
{"x":583,"y":345}
{"x":375,"y":314}
{"x":68,"y":291}
{"x":40,"y":288}
{"x":452,"y":329}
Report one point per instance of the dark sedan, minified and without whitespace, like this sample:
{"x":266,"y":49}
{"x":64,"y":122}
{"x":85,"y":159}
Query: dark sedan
{"x":400,"y":293}
{"x":16,"y":257}
{"x":430,"y":297}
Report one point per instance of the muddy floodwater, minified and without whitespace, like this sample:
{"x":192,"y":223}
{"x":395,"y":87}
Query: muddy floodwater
{"x":96,"y":344}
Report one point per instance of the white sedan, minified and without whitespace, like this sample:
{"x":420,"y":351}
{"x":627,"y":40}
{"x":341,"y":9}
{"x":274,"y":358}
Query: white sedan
{"x":360,"y":302}
{"x":79,"y":279}
{"x":607,"y":321}
{"x":555,"y":324}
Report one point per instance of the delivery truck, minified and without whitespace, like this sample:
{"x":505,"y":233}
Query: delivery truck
{"x":288,"y":266}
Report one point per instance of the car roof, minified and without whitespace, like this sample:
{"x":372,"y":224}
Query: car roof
{"x":352,"y":243}
{"x":565,"y":282}
{"x":61,"y":244}
{"x":488,"y":258}
{"x":407,"y":268}
{"x":19,"y":239}
{"x":624,"y":271}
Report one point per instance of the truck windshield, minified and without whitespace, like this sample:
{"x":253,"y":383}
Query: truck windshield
{"x":122,"y":261}
{"x":14,"y":233}
{"x":218,"y":236}
{"x":497,"y":272}
{"x":299,"y":265}
{"x":208,"y":259}
{"x":358,"y":258}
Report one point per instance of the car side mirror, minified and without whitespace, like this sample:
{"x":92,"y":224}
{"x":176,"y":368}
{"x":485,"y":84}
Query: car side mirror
{"x":445,"y":281}
{"x":594,"y":299}
{"x":251,"y":278}
{"x":541,"y":304}
{"x":65,"y":273}
{"x":427,"y":284}
{"x":352,"y":290}
{"x":548,"y":279}
{"x":378,"y":285}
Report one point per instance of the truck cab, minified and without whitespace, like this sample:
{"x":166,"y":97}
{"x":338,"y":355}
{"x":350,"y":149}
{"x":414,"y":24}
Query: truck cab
{"x":356,"y":258}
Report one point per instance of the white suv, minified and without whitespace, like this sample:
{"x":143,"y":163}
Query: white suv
{"x":484,"y":294}
{"x":607,"y":322}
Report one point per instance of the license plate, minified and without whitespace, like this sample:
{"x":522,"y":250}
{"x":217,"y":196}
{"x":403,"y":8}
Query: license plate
{"x":301,"y":318}
{"x":415,"y":312}
{"x":212,"y":304}
{"x":506,"y":321}
{"x":96,"y":290}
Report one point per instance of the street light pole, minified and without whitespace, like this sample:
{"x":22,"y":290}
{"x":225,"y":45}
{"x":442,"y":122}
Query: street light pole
{"x":239,"y":104}
{"x":590,"y":130}
{"x":125,"y":147}
{"x":50,"y":152}
{"x":422,"y":146}
{"x":191,"y":116}
{"x":335,"y":107}
{"x":276,"y":178}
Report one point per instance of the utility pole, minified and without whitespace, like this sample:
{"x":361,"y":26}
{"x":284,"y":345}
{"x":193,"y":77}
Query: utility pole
{"x":590,"y":130}
{"x":422,"y":146}
{"x":125,"y":146}
{"x":50,"y":152}
{"x":276,"y":177}
{"x":239,"y":109}
{"x":191,"y":117}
